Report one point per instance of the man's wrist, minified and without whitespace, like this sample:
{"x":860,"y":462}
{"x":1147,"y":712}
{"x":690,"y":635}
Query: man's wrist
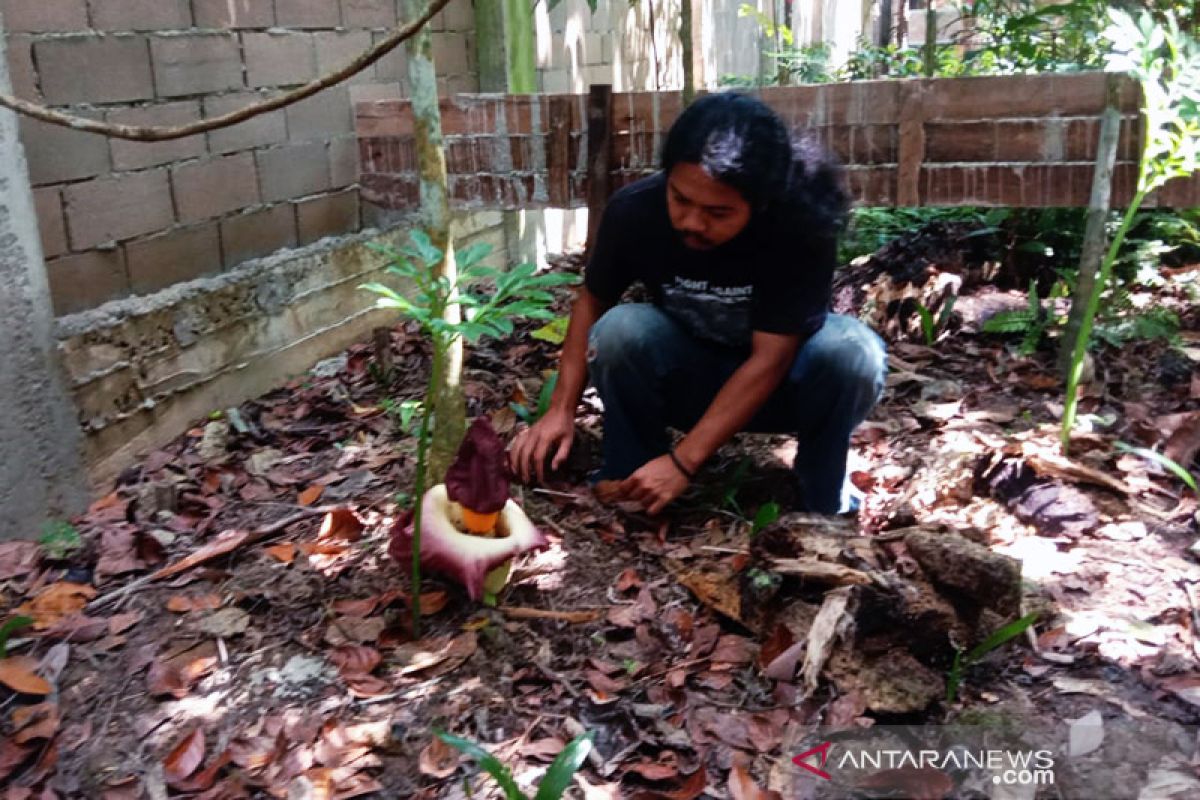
{"x":688,"y":462}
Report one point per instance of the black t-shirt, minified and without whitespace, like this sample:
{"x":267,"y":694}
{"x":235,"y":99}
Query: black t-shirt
{"x":775,"y":276}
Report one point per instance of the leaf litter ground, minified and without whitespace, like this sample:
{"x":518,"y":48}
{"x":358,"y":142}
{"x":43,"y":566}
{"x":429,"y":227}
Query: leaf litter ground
{"x":232,"y":626}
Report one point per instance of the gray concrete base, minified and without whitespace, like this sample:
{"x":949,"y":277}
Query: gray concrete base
{"x":41,"y":475}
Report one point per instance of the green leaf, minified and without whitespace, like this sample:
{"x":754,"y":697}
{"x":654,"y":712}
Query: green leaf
{"x":489,"y":762}
{"x":473,"y":254}
{"x":999,"y":637}
{"x":926,"y":323}
{"x":1011,"y":321}
{"x":424,"y":248}
{"x":554,"y":332}
{"x":563,"y":768}
{"x":10,"y":627}
{"x":767,"y":514}
{"x":545,"y":395}
{"x":1169,"y":463}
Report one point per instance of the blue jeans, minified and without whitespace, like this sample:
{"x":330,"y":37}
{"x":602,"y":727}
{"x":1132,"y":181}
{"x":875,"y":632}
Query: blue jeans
{"x":651,"y":374}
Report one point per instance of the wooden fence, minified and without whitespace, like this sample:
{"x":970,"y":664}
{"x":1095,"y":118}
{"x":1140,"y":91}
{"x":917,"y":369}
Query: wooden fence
{"x":1024,"y":141}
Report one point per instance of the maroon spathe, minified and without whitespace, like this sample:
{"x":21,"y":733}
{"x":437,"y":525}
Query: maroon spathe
{"x":478,"y":478}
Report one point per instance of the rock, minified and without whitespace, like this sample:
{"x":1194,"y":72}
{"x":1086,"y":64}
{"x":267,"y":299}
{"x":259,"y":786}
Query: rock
{"x":892,"y":682}
{"x":214,"y":443}
{"x":263,"y":461}
{"x":330,"y":367}
{"x":155,"y":497}
{"x":1055,"y":508}
{"x":224,"y":623}
{"x":970,"y":570}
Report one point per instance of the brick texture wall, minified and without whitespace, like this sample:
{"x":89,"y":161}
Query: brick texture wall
{"x":1018,"y":141}
{"x":126,"y":218}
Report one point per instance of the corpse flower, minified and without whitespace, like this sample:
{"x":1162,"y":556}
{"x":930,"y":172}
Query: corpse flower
{"x":470,"y":528}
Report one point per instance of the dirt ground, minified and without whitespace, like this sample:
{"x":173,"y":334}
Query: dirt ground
{"x":233,"y":625}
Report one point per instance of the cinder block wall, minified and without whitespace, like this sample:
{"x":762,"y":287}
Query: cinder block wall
{"x":576,"y":47}
{"x":124,"y":218}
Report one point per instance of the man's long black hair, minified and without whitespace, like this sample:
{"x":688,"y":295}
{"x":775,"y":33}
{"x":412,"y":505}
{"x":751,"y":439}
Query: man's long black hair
{"x":740,"y":141}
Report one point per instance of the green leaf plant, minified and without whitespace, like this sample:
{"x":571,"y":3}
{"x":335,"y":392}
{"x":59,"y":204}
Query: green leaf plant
{"x":962,"y":661}
{"x":1165,"y":61}
{"x":491,"y":299}
{"x":554,"y":782}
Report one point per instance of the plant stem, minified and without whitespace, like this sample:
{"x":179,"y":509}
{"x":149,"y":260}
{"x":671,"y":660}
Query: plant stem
{"x":419,"y":495}
{"x":1085,"y":328}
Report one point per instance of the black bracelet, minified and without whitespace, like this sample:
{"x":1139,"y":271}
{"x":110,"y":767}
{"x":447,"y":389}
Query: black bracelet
{"x":679,"y":466}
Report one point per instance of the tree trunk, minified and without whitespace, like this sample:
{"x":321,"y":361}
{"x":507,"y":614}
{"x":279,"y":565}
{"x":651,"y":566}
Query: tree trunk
{"x":449,"y":405}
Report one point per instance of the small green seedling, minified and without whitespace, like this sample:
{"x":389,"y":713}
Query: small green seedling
{"x":1171,"y":464}
{"x":59,"y":539}
{"x":962,"y":662}
{"x":766,"y":515}
{"x":8,"y":629}
{"x":554,"y":783}
{"x":404,"y":412}
{"x":528,"y":416}
{"x":931,"y":325}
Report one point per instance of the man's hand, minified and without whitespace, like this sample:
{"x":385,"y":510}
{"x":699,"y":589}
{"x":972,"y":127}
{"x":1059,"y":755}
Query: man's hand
{"x":553,"y":433}
{"x":654,"y":485}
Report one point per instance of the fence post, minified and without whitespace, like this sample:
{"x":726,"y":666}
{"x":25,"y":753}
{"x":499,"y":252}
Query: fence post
{"x":599,"y":145}
{"x":558,"y":151}
{"x":912,"y":143}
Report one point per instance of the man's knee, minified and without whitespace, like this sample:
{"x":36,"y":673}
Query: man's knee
{"x":849,"y":353}
{"x":624,"y":333}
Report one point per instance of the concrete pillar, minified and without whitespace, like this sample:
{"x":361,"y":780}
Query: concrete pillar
{"x":41,"y":469}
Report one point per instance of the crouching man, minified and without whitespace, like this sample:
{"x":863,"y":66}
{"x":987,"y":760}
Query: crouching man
{"x":736,"y":241}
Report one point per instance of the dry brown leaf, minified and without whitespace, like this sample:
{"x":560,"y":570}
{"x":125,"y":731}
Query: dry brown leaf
{"x":438,"y":759}
{"x":356,"y":786}
{"x":225,"y":542}
{"x":19,"y":674}
{"x":781,"y":639}
{"x":185,"y":758}
{"x":653,"y":771}
{"x":119,"y":623}
{"x":181,"y":604}
{"x":692,"y":787}
{"x":543,"y":749}
{"x":12,"y":755}
{"x":732,"y":649}
{"x":717,"y":588}
{"x":118,"y":553}
{"x":427,"y":654}
{"x":743,"y":787}
{"x":355,"y":659}
{"x":627,"y":580}
{"x":177,"y":676}
{"x":354,"y":630}
{"x":204,"y":780}
{"x":56,"y":601}
{"x":1185,"y":441}
{"x":285,"y":552}
{"x":341,"y":523}
{"x":35,"y":722}
{"x":433,"y":602}
{"x":604,"y":684}
{"x":78,"y":628}
{"x":18,"y":559}
{"x":310,"y":495}
{"x":366,"y":686}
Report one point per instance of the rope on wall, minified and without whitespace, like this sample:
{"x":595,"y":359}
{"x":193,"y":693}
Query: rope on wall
{"x":144,"y":133}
